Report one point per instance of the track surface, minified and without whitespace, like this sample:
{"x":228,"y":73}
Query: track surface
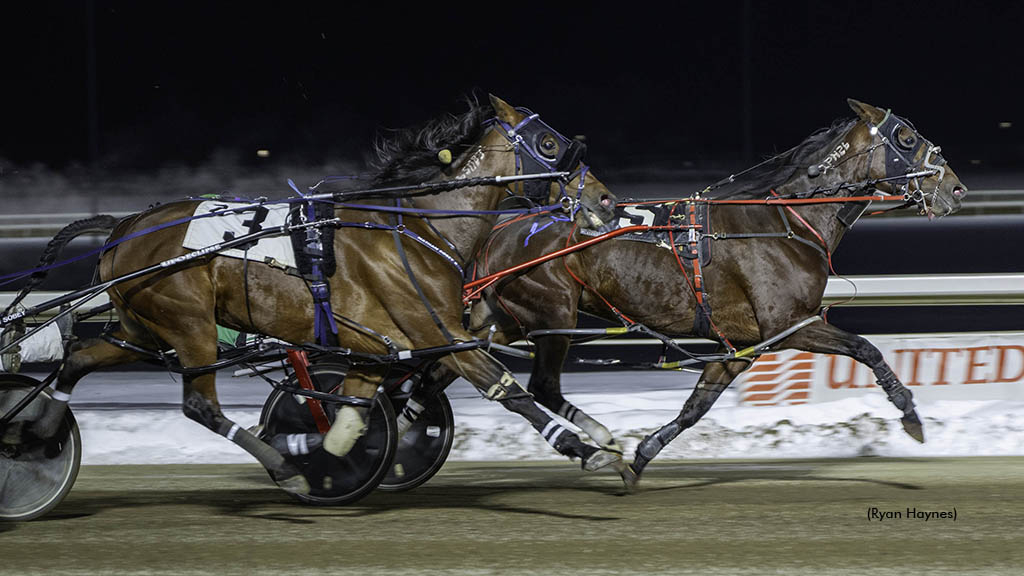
{"x":707,"y":517}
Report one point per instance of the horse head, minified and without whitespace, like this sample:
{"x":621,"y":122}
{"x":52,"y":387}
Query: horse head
{"x":538,"y":148}
{"x":909,"y":163}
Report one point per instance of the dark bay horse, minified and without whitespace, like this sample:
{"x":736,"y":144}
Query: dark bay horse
{"x":767,"y":273}
{"x":386,"y":293}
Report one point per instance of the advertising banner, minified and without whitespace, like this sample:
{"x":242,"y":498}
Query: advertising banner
{"x":934,"y":367}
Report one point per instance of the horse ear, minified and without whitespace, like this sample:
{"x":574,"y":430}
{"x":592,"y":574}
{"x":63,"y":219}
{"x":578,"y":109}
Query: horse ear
{"x":866,"y":112}
{"x":505,"y":112}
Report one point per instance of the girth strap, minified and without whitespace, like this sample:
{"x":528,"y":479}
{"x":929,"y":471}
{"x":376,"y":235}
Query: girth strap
{"x":415,"y":284}
{"x":697,"y":214}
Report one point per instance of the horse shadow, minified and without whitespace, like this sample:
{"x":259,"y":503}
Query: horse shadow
{"x":484,"y":488}
{"x":706,"y":474}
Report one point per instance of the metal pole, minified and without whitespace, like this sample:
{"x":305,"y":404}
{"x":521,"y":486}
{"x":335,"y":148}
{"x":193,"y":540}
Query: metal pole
{"x":746,"y":90}
{"x":92,"y":106}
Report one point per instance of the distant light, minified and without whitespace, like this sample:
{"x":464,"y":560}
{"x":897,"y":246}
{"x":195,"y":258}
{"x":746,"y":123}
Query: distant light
{"x":263,"y":153}
{"x":1006,"y":124}
{"x":975,"y":162}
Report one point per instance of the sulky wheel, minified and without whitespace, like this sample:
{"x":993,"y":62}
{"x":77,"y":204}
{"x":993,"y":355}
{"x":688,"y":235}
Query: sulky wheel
{"x":333,"y":480}
{"x":35,"y":474}
{"x":424,"y":448}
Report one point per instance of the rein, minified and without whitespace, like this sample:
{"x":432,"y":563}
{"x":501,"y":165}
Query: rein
{"x":913,"y":174}
{"x":473,"y":288}
{"x":338,"y":198}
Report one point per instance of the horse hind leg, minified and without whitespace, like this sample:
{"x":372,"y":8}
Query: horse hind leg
{"x":82,"y":358}
{"x":496,"y":383}
{"x":546,"y":387}
{"x":827,"y":339}
{"x":200,"y":404}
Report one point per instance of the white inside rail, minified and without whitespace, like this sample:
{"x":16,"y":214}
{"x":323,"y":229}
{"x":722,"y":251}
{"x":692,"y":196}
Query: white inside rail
{"x":894,"y":290}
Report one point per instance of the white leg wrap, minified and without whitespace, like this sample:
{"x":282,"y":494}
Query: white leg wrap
{"x":347,"y":429}
{"x":409,"y":414}
{"x":592,"y":427}
{"x":567,"y":411}
{"x":552,"y":432}
{"x":60,"y":396}
{"x":46,"y":345}
{"x":297,"y":444}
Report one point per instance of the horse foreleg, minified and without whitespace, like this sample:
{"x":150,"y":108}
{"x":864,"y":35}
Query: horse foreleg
{"x":350,"y":422}
{"x":83,"y":357}
{"x":713,"y":381}
{"x":827,"y":339}
{"x":546,"y":387}
{"x":497,"y":384}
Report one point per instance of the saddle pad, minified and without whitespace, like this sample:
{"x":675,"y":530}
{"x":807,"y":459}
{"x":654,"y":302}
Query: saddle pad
{"x":662,"y":215}
{"x":211,"y":230}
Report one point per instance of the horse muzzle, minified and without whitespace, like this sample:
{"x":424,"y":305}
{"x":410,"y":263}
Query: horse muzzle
{"x":599,"y":215}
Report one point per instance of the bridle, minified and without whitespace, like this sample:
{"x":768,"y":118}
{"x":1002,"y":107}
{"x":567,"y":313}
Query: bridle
{"x":902,"y":144}
{"x":540,"y":149}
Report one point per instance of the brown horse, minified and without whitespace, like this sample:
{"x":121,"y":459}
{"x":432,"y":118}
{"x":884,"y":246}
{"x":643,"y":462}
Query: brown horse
{"x":387,"y":294}
{"x":766,"y":276}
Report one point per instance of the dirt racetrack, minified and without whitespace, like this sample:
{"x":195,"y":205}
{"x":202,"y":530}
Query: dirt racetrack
{"x":699,"y":517}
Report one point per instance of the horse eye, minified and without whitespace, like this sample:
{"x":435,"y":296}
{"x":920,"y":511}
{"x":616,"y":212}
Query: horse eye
{"x":549,"y":146}
{"x":906,"y":138}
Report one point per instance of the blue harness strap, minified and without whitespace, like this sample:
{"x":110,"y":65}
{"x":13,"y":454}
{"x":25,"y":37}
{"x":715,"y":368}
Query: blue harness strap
{"x":325,"y":329}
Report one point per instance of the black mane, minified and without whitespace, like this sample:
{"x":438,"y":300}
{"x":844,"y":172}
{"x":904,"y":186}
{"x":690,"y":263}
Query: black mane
{"x":410,"y":155}
{"x":757,"y":182}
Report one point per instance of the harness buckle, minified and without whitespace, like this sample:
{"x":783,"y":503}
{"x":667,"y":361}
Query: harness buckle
{"x":569,"y":204}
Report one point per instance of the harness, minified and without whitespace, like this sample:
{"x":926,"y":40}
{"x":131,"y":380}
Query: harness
{"x":697,"y":251}
{"x":902,"y":144}
{"x":540,"y":151}
{"x":316,"y":265}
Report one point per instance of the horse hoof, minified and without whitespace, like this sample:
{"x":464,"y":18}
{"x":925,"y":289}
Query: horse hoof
{"x":296,"y":484}
{"x":600,"y":459}
{"x":613,"y":446}
{"x":912,"y":426}
{"x":629,"y":477}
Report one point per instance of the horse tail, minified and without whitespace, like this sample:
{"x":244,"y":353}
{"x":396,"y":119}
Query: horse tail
{"x":99,"y":224}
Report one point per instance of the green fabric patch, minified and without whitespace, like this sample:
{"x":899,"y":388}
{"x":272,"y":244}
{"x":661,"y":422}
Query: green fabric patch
{"x":227,"y":335}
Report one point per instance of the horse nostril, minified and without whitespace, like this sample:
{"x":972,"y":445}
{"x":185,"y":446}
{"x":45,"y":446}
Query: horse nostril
{"x":959,"y":192}
{"x":607,"y":200}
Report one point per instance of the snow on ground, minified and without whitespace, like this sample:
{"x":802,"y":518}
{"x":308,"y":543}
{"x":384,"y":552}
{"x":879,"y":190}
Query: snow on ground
{"x":867,"y":425}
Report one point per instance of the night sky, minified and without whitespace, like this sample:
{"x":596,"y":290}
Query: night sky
{"x":709,"y":83}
